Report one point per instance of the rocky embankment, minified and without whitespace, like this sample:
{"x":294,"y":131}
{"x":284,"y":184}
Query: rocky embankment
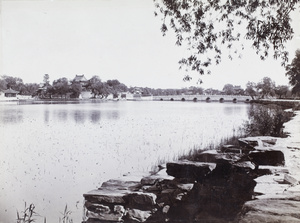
{"x":255,"y":182}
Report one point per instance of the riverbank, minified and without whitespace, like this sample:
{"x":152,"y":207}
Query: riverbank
{"x":278,"y":194}
{"x":259,"y":185}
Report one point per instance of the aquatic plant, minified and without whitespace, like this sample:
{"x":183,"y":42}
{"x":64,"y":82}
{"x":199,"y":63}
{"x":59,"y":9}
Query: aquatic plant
{"x":27,"y":216}
{"x":66,"y":218}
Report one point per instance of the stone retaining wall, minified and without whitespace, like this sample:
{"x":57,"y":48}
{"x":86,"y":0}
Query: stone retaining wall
{"x":212,"y":189}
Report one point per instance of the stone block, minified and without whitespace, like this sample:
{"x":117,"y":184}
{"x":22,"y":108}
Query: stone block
{"x":270,"y":210}
{"x":196,"y":171}
{"x":106,"y":196}
{"x":290,"y":179}
{"x":140,"y":200}
{"x":271,"y":157}
{"x":105,"y":216}
{"x":247,"y":144}
{"x":138,"y":215}
{"x":230,"y":149}
{"x":157,"y":177}
{"x":98,"y":208}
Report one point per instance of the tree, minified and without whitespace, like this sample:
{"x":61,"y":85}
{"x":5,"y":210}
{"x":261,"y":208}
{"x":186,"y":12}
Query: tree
{"x":28,"y":89}
{"x":97,"y":87}
{"x":14,"y":83}
{"x":293,"y":72}
{"x":281,"y":90}
{"x":251,"y":89}
{"x":211,"y":91}
{"x":228,"y":89}
{"x":61,"y":86}
{"x":3,"y":84}
{"x":46,"y":79}
{"x":75,"y":89}
{"x":207,"y":27}
{"x":266,"y":87}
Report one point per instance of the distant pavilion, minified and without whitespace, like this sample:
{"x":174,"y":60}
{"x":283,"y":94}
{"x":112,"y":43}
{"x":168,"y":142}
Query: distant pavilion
{"x":9,"y":93}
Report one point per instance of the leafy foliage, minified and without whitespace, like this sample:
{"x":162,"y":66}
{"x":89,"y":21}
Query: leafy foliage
{"x":266,"y":121}
{"x":266,"y":87}
{"x":97,"y":87}
{"x":207,"y":27}
{"x":61,"y":86}
{"x":251,"y":89}
{"x":293,"y":72}
{"x":17,"y":84}
{"x":281,"y":90}
{"x":228,"y":89}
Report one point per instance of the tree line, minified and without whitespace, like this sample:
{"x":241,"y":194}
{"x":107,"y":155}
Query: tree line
{"x":64,"y":88}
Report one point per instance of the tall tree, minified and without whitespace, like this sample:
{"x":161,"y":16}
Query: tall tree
{"x":207,"y":27}
{"x":46,"y":79}
{"x":228,"y":89}
{"x":15,"y":83}
{"x":251,"y":89}
{"x":98,"y":87}
{"x":61,"y":86}
{"x":75,"y":89}
{"x":3,"y":84}
{"x":293,"y":72}
{"x":281,"y":90}
{"x":266,"y":87}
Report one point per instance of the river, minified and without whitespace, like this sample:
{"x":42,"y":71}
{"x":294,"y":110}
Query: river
{"x":53,"y":153}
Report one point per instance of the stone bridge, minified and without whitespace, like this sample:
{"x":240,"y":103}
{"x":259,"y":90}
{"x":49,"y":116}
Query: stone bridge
{"x":204,"y":98}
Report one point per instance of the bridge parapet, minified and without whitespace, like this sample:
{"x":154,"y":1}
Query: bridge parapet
{"x":207,"y":98}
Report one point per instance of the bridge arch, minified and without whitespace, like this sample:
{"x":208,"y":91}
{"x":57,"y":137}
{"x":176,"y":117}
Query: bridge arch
{"x":221,"y":100}
{"x":195,"y":99}
{"x":172,"y":99}
{"x":182,"y":99}
{"x":207,"y":99}
{"x":234,"y":100}
{"x":161,"y":99}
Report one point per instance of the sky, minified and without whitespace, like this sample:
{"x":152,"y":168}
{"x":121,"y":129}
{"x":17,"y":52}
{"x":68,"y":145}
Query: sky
{"x":113,"y":39}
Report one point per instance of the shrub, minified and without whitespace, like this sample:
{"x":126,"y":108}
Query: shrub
{"x":266,"y":121}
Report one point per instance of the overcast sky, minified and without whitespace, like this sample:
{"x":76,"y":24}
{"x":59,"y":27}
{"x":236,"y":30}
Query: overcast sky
{"x":114,"y":39}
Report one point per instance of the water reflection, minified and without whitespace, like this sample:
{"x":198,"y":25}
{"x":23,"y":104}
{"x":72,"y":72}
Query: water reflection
{"x":230,"y":110}
{"x":46,"y":116}
{"x":62,"y":115}
{"x":11,"y":116}
{"x":79,"y":116}
{"x":95,"y":116}
{"x":112,"y":115}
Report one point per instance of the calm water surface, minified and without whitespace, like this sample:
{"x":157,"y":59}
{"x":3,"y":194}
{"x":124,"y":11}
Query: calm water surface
{"x":53,"y":153}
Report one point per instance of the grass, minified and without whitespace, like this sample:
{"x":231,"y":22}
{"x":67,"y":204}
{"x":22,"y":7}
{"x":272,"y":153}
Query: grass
{"x":27,"y":216}
{"x":66,"y":216}
{"x":193,"y":153}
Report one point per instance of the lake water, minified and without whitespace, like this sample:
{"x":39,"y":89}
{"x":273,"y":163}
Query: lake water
{"x":53,"y":153}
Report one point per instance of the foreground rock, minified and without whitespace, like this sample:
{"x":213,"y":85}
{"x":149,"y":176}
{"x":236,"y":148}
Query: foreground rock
{"x":278,"y":193}
{"x":255,"y":182}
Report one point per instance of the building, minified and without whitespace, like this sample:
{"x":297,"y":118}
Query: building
{"x":80,"y":79}
{"x":9,"y":93}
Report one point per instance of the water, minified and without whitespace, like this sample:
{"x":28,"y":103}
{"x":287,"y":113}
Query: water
{"x":53,"y":153}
